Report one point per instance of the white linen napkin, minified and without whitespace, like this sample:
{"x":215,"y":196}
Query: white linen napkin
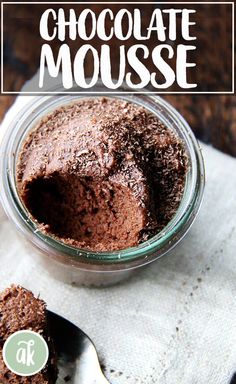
{"x":175,"y":321}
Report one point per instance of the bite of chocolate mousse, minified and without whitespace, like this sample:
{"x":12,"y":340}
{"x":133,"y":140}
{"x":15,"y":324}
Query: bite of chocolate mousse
{"x":20,"y":310}
{"x":102,"y":174}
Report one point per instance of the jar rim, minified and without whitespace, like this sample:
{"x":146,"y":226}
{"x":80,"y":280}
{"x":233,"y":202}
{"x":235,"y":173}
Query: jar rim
{"x":146,"y":251}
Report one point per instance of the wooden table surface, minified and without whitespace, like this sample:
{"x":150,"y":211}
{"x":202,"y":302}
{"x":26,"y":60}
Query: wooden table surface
{"x":212,"y":117}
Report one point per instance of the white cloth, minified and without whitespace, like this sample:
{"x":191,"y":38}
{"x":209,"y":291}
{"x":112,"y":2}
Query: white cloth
{"x":175,"y":321}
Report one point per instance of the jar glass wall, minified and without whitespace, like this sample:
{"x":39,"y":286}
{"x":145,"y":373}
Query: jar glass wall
{"x":81,"y":266}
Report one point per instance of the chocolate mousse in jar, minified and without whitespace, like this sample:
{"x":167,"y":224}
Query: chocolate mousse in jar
{"x":100,"y":185}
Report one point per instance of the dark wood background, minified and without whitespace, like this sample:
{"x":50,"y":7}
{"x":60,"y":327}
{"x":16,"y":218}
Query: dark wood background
{"x":212,"y":117}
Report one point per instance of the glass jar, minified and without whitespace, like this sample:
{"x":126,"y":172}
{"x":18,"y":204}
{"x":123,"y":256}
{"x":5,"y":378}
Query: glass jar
{"x":79,"y":266}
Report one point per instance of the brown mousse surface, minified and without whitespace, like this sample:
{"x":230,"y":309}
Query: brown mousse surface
{"x":20,"y":310}
{"x":102,"y":173}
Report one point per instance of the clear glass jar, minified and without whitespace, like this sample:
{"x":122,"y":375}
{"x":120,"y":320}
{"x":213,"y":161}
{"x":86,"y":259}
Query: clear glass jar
{"x":79,"y":266}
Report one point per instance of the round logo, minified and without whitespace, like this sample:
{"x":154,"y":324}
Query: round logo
{"x":25,"y":353}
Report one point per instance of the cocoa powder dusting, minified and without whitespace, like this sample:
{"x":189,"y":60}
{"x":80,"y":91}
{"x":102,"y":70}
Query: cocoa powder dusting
{"x":102,"y":174}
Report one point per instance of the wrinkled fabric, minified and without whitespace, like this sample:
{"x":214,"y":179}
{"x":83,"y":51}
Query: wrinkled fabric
{"x":175,"y":320}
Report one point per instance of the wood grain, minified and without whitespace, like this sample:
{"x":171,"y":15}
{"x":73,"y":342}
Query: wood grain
{"x":212,"y":118}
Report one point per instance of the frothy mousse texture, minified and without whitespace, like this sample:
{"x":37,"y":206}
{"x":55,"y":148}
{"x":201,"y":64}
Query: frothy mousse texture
{"x":102,"y":174}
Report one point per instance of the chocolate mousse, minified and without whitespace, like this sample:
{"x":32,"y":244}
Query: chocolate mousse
{"x":20,"y":310}
{"x":102,"y":174}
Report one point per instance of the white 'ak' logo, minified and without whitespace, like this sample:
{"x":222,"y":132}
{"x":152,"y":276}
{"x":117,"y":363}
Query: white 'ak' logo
{"x":25,"y":354}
